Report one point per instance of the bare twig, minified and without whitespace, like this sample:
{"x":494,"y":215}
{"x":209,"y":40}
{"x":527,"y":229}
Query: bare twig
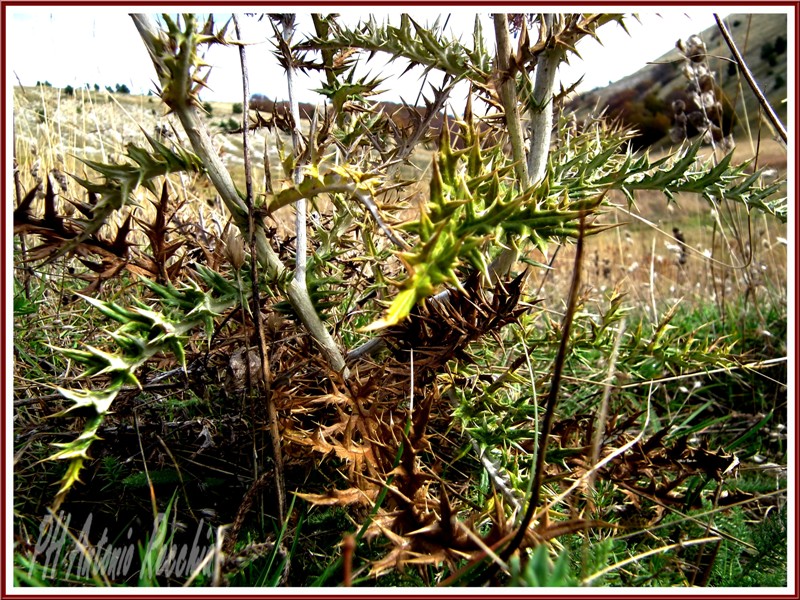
{"x":773,"y":117}
{"x":272,"y":413}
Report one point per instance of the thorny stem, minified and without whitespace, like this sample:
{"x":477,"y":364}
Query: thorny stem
{"x":198,"y":136}
{"x":501,"y":266}
{"x":540,"y":116}
{"x":507,"y":88}
{"x":272,"y":412}
{"x":541,"y":107}
{"x":508,"y":95}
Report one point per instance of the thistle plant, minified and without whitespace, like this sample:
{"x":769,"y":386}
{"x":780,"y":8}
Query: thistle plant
{"x":432,"y":285}
{"x":143,"y":333}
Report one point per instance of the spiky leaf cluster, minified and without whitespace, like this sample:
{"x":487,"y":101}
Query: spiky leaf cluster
{"x":425,"y":46}
{"x":473,"y":201}
{"x":177,"y":61}
{"x":143,"y":333}
{"x":120,"y":181}
{"x":599,"y":158}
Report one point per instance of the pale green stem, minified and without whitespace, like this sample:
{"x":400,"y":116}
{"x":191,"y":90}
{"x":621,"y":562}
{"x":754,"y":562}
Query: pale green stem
{"x":301,"y":243}
{"x":508,"y":95}
{"x":502,"y":265}
{"x":221,"y":178}
{"x":541,"y":111}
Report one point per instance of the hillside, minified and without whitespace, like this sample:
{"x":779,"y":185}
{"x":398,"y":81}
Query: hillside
{"x":643,"y":99}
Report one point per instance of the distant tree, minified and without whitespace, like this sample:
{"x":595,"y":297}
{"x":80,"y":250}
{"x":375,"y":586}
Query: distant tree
{"x":780,"y":45}
{"x":229,"y":125}
{"x":69,"y":91}
{"x":237,"y":108}
{"x":122,"y":89}
{"x":96,"y":88}
{"x":208,"y":108}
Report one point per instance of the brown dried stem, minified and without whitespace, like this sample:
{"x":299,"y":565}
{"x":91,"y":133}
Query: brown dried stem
{"x":272,"y":413}
{"x":552,"y":398}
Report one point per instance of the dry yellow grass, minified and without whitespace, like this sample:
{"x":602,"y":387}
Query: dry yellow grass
{"x":640,"y":258}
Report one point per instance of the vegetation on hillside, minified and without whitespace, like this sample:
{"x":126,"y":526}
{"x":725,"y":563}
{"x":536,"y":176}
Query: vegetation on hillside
{"x":645,"y":100}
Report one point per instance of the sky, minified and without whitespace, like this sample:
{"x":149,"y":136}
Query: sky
{"x":74,"y":45}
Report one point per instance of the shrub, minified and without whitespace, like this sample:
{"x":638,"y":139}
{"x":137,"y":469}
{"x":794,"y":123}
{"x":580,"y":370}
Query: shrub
{"x":393,"y":358}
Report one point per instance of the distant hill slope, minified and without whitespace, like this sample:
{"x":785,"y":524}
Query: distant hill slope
{"x":644,"y":98}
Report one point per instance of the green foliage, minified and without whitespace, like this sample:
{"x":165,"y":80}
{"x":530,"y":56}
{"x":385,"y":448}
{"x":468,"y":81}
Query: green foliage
{"x":142,"y":334}
{"x":120,"y":181}
{"x":154,"y":550}
{"x":541,"y":571}
{"x":230,"y":125}
{"x":598,"y":159}
{"x":177,"y":61}
{"x":425,"y":46}
{"x":472,"y":207}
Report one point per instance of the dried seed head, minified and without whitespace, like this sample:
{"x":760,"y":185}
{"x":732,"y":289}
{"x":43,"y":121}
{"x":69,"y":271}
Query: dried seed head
{"x":706,"y":83}
{"x":707,"y":99}
{"x":677,"y":134}
{"x":695,"y":49}
{"x":240,"y":362}
{"x":698,"y":119}
{"x":714,"y":112}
